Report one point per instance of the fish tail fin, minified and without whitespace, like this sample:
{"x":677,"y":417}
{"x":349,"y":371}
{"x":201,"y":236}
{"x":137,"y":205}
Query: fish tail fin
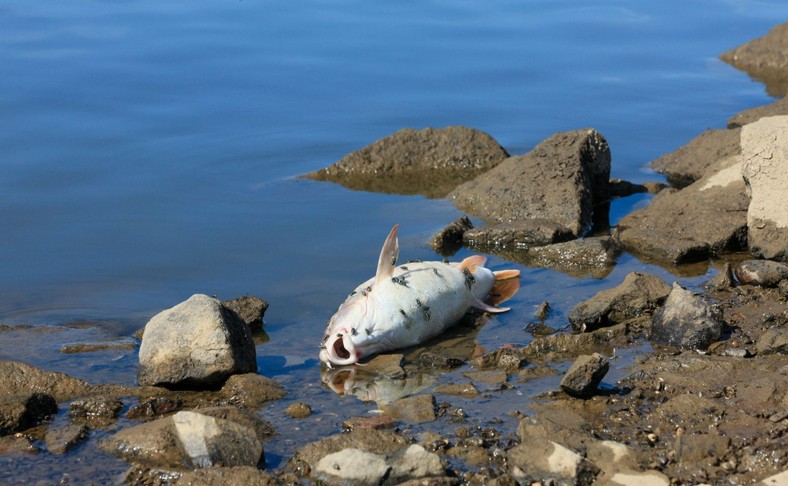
{"x":472,"y":262}
{"x":505,"y":286}
{"x":388,"y":256}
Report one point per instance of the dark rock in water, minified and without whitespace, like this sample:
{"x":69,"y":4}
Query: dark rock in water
{"x":585,"y":375}
{"x":251,"y":390}
{"x":20,"y":412}
{"x":773,"y":341}
{"x":765,"y":170}
{"x":249,"y":308}
{"x":59,"y":441}
{"x":154,"y":407}
{"x":196,"y":344}
{"x":517,"y":234}
{"x":764,"y":59}
{"x":299,"y":410}
{"x":542,"y":310}
{"x":703,"y":155}
{"x":686,"y":321}
{"x":700,"y":221}
{"x":20,"y":378}
{"x":448,"y":240}
{"x":579,"y":258}
{"x":415,"y":410}
{"x":764,"y":273}
{"x":562,"y":180}
{"x":17,"y":444}
{"x":638,"y":294}
{"x":96,"y":407}
{"x":775,"y":108}
{"x":622,"y":188}
{"x":430,"y":162}
{"x":723,"y":280}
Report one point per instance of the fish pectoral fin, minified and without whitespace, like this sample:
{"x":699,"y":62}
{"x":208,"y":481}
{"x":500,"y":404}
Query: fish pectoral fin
{"x":388,"y":257}
{"x":505,"y":286}
{"x":488,"y":308}
{"x":472,"y":262}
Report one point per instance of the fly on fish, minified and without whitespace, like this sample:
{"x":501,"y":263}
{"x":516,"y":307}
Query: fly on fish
{"x":406,"y":305}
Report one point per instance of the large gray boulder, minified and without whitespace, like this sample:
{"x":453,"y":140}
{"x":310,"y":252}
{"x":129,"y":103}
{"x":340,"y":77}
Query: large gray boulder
{"x":701,"y":221}
{"x":686,"y":321}
{"x":765,"y":170}
{"x":764,"y":59}
{"x":431,"y":162}
{"x":563,"y":179}
{"x":196,"y":344}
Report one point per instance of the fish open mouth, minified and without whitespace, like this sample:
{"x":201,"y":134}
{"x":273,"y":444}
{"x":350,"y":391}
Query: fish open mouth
{"x":339,"y":350}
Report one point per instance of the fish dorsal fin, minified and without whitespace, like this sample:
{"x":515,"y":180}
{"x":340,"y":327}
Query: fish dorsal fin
{"x":388,"y":257}
{"x":472,"y":262}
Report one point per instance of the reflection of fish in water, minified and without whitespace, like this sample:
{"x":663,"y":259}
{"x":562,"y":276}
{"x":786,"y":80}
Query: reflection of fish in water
{"x":406,"y":305}
{"x":371,"y":387}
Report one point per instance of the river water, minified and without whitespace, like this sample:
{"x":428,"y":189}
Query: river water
{"x":151,"y":150}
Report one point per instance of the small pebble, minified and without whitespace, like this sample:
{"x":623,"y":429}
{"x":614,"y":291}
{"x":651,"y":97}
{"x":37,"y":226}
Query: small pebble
{"x":299,"y":410}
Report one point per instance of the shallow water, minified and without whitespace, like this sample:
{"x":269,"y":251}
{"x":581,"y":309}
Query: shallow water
{"x":150,"y":151}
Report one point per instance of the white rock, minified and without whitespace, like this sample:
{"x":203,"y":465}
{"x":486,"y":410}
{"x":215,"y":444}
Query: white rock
{"x":416,"y":462}
{"x":764,"y":146}
{"x":353,"y":465}
{"x":196,"y":343}
{"x":209,"y":441}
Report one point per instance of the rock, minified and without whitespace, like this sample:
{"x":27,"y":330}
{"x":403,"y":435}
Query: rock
{"x":299,"y":410}
{"x":251,"y":390}
{"x":574,"y":344}
{"x":186,"y":439}
{"x":622,"y":188}
{"x":705,"y":154}
{"x":382,"y":442}
{"x":704,"y":448}
{"x":431,"y":162}
{"x":494,"y":378}
{"x":542,"y":311}
{"x":775,"y":108}
{"x":20,"y":378}
{"x":459,"y":389}
{"x":208,"y":441}
{"x":764,"y":59}
{"x":517,"y":234}
{"x":701,"y":221}
{"x":245,"y":418}
{"x":59,"y":441}
{"x":765,"y":170}
{"x":641,"y":478}
{"x":776,"y":479}
{"x":773,"y":341}
{"x":562,"y":180}
{"x":506,"y":359}
{"x":96,"y":407}
{"x":17,"y":444}
{"x":223,"y":476}
{"x":578,"y":257}
{"x":585,"y":375}
{"x":538,"y":460}
{"x":557,"y":424}
{"x":249,"y":309}
{"x":764,"y":273}
{"x":20,"y":412}
{"x":638,"y":294}
{"x":122,"y":343}
{"x":154,"y":407}
{"x":414,"y":462}
{"x":352,"y":466}
{"x":723,"y":280}
{"x":377,"y":422}
{"x":429,"y":359}
{"x":448,"y":240}
{"x":415,"y":410}
{"x":686,"y":321}
{"x":197,"y":344}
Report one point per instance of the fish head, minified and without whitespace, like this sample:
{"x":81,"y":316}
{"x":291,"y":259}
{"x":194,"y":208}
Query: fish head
{"x":343,"y":335}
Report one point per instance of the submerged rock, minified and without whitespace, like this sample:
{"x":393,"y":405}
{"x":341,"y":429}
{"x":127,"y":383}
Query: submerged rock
{"x":448,"y":240}
{"x":638,"y":294}
{"x":198,"y":343}
{"x":765,"y":170}
{"x":415,"y":410}
{"x":431,"y":162}
{"x":764,"y":273}
{"x":299,"y":410}
{"x":517,"y":234}
{"x":60,"y":441}
{"x":585,"y":375}
{"x":562,"y":180}
{"x":20,"y":378}
{"x":594,"y":256}
{"x":96,"y":407}
{"x":764,"y":59}
{"x":686,"y":321}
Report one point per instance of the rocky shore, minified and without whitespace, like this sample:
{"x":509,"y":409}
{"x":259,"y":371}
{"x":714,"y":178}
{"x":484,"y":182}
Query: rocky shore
{"x":706,"y":403}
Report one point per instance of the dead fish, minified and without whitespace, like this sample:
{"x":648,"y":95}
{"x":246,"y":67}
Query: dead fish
{"x":388,"y":315}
